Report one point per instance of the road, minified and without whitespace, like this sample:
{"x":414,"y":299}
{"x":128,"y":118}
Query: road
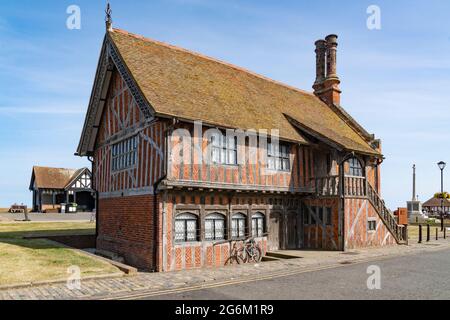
{"x":422,"y":276}
{"x":46,"y":217}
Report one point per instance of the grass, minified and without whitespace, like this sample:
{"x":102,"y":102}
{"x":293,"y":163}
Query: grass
{"x":23,"y":260}
{"x":18,"y":230}
{"x":413,"y":231}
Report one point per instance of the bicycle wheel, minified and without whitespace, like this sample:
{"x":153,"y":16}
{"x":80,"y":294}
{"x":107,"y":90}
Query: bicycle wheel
{"x":233,"y":260}
{"x":242,"y":254}
{"x":254,"y":254}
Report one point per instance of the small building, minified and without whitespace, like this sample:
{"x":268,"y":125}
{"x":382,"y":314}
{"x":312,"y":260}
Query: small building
{"x":402,"y":216}
{"x":433,"y":207}
{"x":53,"y":187}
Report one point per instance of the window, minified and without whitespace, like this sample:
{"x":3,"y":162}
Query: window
{"x":372,"y":225}
{"x":257,"y":225}
{"x":124,"y":154}
{"x":329,"y":216}
{"x":186,"y":227}
{"x":278,"y":157}
{"x":355,"y":168}
{"x":224,"y":149}
{"x":238,"y":226}
{"x":215,"y":227}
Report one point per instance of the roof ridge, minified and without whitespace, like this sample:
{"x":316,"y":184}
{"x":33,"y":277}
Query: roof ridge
{"x":45,"y":167}
{"x":241,"y":69}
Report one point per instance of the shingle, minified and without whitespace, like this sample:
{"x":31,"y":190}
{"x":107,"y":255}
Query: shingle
{"x":187,"y":85}
{"x":52,"y":178}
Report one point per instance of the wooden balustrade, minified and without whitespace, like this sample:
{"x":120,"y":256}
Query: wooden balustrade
{"x":355,"y":186}
{"x":329,"y":186}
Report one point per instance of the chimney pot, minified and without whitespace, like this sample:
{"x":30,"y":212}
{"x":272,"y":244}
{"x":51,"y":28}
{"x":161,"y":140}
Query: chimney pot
{"x":321,"y":49}
{"x":327,"y":82}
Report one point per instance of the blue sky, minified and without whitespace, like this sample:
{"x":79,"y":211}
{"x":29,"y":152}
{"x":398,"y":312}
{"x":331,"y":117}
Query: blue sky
{"x":395,"y":81}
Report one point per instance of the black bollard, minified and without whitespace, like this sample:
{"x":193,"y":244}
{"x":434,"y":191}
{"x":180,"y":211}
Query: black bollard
{"x":437,"y":234}
{"x":428,"y":233}
{"x":420,"y":233}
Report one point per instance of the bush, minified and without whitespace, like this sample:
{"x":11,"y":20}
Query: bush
{"x":444,"y":195}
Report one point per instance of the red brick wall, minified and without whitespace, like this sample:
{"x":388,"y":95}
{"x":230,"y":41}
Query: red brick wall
{"x":126,"y":227}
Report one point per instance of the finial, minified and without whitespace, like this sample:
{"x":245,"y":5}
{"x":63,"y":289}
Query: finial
{"x":108,"y":18}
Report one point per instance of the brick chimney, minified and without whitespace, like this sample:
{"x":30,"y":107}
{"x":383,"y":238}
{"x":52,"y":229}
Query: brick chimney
{"x":326,"y":86}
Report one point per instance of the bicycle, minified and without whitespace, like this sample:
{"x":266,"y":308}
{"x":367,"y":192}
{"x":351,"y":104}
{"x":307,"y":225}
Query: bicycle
{"x":235,"y":255}
{"x":250,"y":252}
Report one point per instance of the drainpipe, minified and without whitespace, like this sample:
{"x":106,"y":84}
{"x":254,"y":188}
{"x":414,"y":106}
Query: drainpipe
{"x":91,"y":160}
{"x":156,"y":215}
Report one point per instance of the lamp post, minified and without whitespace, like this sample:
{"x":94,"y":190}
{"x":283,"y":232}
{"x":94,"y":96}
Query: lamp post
{"x":441,"y":166}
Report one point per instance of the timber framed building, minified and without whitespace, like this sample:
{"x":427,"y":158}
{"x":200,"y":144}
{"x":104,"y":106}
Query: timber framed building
{"x":52,"y":187}
{"x":163,"y":207}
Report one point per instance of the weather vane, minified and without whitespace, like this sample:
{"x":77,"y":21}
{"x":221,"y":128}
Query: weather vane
{"x":108,"y":18}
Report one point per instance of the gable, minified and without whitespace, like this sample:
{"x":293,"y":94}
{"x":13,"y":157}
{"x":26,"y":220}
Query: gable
{"x":82,"y":179}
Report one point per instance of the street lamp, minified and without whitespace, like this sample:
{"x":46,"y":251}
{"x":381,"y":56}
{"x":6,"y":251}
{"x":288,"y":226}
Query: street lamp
{"x":441,"y":166}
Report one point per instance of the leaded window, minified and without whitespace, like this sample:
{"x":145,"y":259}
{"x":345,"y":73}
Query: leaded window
{"x":215,"y":227}
{"x":238,"y":226}
{"x":278,"y":157}
{"x":224,"y":149}
{"x":124,"y":154}
{"x":355,"y":168}
{"x":257,"y":225}
{"x":186,"y":227}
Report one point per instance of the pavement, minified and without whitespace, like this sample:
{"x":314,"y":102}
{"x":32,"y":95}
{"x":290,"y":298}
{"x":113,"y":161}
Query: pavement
{"x":415,"y":277}
{"x":153,"y":285}
{"x":47,"y":217}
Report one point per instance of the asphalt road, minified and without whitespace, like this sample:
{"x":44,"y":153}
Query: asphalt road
{"x":422,"y":276}
{"x":46,"y":217}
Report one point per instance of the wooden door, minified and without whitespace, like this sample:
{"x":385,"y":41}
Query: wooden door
{"x":273,"y":242}
{"x":291,"y":231}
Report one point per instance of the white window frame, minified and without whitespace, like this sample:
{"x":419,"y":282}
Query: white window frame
{"x":124,"y":154}
{"x":372,"y":221}
{"x":224,"y":149}
{"x":238,"y":226}
{"x":258,"y":220}
{"x":278,"y":157}
{"x":215,"y":227}
{"x":183,"y":221}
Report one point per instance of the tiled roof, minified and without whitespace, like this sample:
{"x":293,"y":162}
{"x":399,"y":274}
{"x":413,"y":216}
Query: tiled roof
{"x":53,"y":178}
{"x":435,"y":202}
{"x":179,"y":83}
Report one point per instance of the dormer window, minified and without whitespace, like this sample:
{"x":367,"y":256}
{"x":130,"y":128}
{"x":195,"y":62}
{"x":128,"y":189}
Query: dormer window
{"x":355,"y":168}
